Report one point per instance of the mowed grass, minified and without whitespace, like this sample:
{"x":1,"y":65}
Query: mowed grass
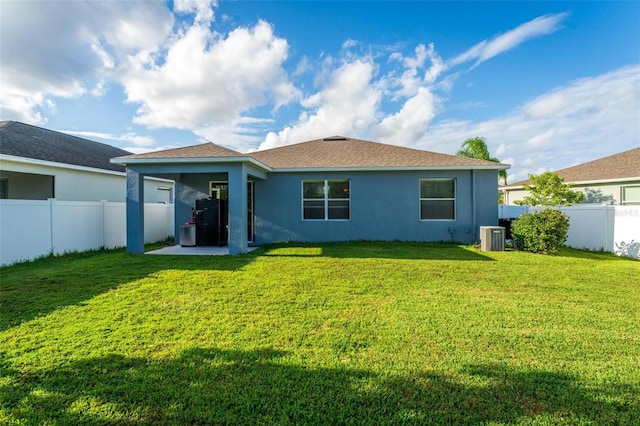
{"x":354,"y":333}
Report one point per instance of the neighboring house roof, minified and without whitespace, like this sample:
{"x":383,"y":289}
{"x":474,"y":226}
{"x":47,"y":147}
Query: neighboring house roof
{"x":26,"y":141}
{"x":622,"y":166}
{"x":336,"y":152}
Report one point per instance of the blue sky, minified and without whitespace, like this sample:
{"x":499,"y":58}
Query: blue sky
{"x":547,"y":84}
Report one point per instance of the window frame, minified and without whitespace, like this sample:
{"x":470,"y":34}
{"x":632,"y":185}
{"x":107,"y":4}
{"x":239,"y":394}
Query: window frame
{"x":325,"y":200}
{"x":454,"y":199}
{"x":628,"y":202}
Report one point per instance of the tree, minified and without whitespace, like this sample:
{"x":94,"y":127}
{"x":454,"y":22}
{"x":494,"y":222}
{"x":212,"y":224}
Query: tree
{"x":477,"y":148}
{"x":549,"y":189}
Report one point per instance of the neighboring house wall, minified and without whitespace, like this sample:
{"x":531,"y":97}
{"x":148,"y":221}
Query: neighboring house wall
{"x":383,"y":206}
{"x":38,"y":180}
{"x":26,"y":186}
{"x":621,"y":193}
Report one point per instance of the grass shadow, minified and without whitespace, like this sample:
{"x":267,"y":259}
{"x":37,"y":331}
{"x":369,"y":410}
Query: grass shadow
{"x":375,"y":250}
{"x":32,"y":289}
{"x":591,"y":255}
{"x":212,"y":386}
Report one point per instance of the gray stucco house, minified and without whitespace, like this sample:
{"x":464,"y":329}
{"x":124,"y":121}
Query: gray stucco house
{"x":331,"y":189}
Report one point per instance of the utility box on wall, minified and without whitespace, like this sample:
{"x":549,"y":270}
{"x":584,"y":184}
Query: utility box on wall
{"x":492,"y":238}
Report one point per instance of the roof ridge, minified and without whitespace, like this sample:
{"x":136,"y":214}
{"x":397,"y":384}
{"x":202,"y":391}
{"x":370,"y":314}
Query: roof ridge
{"x":340,"y":138}
{"x":345,"y":152}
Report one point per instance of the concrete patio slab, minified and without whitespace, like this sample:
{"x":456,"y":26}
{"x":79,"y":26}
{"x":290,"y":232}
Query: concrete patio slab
{"x":197,"y":251}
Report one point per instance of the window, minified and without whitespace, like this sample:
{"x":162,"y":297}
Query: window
{"x":219,"y":190}
{"x":630,"y":195}
{"x":326,"y":199}
{"x":438,"y":199}
{"x":4,"y":188}
{"x":164,"y":195}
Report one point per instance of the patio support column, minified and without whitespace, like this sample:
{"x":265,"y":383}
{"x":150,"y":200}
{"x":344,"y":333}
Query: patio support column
{"x":238,"y":210}
{"x":135,"y":212}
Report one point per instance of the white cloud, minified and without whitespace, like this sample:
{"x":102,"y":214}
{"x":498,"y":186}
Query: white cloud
{"x":355,"y":107}
{"x":208,"y":80}
{"x":202,"y":9}
{"x":411,"y":79}
{"x":487,"y":49}
{"x":23,"y":106}
{"x":566,"y":126}
{"x":137,"y":140}
{"x":541,"y":140}
{"x":183,"y":75}
{"x":349,"y":44}
{"x":410,"y":123}
{"x":242,"y":135}
{"x":50,"y":49}
{"x":347,"y":104}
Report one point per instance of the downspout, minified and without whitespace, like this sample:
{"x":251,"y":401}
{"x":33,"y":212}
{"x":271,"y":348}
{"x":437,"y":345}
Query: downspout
{"x":473,"y":205}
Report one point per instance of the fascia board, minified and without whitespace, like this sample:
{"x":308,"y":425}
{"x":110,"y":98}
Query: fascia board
{"x":25,"y":160}
{"x":605,"y":181}
{"x":384,"y":169}
{"x":191,"y":160}
{"x":65,"y":166}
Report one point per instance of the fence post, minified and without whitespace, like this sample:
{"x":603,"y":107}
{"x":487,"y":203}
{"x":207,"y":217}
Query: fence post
{"x":52,"y":202}
{"x":103,"y":222}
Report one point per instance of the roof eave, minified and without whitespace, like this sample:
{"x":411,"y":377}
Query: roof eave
{"x":27,"y":160}
{"x":384,"y":168}
{"x":519,"y":186}
{"x":190,"y":160}
{"x":612,"y":180}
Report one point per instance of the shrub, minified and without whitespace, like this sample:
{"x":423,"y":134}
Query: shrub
{"x":541,"y":232}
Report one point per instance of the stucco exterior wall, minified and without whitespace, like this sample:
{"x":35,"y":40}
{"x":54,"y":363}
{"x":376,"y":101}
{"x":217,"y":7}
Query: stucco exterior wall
{"x":74,"y":184}
{"x":384,"y":206}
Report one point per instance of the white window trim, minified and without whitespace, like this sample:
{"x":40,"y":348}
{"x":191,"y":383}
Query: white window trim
{"x":454,"y":199}
{"x":625,"y":202}
{"x":326,"y":199}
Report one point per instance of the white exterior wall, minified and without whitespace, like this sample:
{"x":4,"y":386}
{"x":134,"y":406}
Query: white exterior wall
{"x":34,"y":228}
{"x":605,"y":189}
{"x":74,"y":183}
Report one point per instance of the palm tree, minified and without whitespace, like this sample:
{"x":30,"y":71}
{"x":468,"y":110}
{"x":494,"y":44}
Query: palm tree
{"x":477,"y":148}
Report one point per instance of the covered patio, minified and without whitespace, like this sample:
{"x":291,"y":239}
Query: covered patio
{"x":193,"y":169}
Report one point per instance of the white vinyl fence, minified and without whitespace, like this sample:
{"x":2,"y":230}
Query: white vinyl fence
{"x":33,"y":228}
{"x":615,"y":229}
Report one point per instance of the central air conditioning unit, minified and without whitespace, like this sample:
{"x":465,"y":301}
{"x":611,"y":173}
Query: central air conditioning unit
{"x":492,"y":238}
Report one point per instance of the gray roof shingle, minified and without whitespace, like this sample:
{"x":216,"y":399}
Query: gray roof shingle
{"x":195,"y":151}
{"x":343,"y":152}
{"x":623,"y":165}
{"x":336,"y":152}
{"x":24,"y":140}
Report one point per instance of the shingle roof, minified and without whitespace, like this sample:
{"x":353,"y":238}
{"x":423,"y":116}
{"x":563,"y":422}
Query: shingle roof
{"x":342,"y":152}
{"x":623,"y":165}
{"x":196,"y":151}
{"x":23,"y":140}
{"x":336,"y":152}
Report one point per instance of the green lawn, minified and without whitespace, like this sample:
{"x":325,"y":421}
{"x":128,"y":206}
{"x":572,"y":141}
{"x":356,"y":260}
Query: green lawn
{"x":359,"y":333}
